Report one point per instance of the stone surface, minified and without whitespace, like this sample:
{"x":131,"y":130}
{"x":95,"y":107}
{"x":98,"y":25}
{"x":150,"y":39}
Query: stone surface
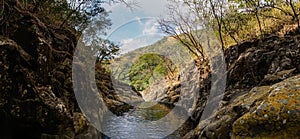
{"x":37,"y":97}
{"x":253,"y":69}
{"x":277,"y":115}
{"x":264,"y":112}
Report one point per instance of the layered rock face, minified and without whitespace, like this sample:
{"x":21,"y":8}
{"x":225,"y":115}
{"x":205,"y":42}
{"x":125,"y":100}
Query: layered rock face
{"x":263,"y":112}
{"x":260,"y":99}
{"x":262,"y":94}
{"x":37,"y":98}
{"x":36,"y":83}
{"x":251,"y":62}
{"x":275,"y":114}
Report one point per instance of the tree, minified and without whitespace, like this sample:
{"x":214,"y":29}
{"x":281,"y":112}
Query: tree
{"x":148,"y":68}
{"x":88,"y":17}
{"x":295,"y":13}
{"x":233,"y":20}
{"x":192,"y":23}
{"x":262,"y":8}
{"x":104,"y":49}
{"x":248,"y":19}
{"x":183,"y":28}
{"x":217,"y":9}
{"x":72,"y":13}
{"x":256,"y":9}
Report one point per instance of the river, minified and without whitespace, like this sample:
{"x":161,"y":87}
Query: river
{"x":154,"y":122}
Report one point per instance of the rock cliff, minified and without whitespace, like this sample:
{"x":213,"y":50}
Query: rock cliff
{"x":262,"y":93}
{"x":260,"y":99}
{"x":37,"y":98}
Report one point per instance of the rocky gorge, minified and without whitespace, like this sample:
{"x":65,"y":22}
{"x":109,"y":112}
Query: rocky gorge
{"x":37,"y":99}
{"x":261,"y":92}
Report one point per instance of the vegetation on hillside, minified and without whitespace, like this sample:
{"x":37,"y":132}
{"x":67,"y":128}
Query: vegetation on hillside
{"x":74,"y":14}
{"x":233,"y":21}
{"x":38,"y":39}
{"x":87,"y":18}
{"x":149,"y":68}
{"x":165,"y":52}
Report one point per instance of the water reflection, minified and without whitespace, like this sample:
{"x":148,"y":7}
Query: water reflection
{"x":145,"y":123}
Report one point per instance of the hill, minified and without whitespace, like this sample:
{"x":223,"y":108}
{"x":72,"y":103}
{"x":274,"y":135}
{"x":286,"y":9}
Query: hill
{"x":168,"y":49}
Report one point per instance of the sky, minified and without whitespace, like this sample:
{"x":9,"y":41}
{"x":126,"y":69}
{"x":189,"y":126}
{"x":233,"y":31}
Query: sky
{"x":138,"y":27}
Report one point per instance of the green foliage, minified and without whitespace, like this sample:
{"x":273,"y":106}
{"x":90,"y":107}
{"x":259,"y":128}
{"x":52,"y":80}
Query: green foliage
{"x":167,"y":46}
{"x":254,"y":18}
{"x":77,"y":14}
{"x":104,"y":49}
{"x":233,"y":21}
{"x":147,"y":69}
{"x":88,"y":17}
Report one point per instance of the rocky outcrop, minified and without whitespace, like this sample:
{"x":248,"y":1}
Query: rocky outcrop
{"x":119,"y":97}
{"x":250,"y":62}
{"x":182,"y":86}
{"x":253,"y":69}
{"x":37,"y":98}
{"x":261,"y":97}
{"x":264,"y":112}
{"x":275,"y":114}
{"x":35,"y":66}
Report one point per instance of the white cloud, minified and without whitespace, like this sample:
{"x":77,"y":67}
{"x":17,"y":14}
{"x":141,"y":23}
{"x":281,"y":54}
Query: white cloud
{"x":132,"y":44}
{"x":138,"y":19}
{"x":141,"y":41}
{"x":151,"y":27}
{"x":141,"y":35}
{"x":126,"y":41}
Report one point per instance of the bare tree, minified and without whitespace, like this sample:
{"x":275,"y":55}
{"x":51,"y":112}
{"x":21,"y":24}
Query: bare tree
{"x":217,"y":9}
{"x":295,"y":14}
{"x":183,"y":27}
{"x":189,"y":20}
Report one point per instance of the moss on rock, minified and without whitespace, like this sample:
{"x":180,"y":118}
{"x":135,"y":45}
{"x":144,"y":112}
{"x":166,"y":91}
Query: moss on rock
{"x":276,"y":116}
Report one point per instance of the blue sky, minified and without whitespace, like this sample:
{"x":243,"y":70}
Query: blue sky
{"x":138,"y":27}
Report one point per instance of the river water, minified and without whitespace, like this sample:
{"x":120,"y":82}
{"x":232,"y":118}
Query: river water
{"x":155,"y":122}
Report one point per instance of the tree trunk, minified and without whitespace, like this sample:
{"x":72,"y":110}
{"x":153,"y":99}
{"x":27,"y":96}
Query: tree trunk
{"x":294,"y":12}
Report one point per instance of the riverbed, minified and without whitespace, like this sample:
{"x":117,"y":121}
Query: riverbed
{"x":154,"y":122}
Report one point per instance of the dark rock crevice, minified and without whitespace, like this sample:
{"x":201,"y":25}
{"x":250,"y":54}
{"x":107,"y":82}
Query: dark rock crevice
{"x":253,"y":67}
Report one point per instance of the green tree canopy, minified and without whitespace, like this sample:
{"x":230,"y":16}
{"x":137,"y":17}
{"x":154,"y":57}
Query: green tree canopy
{"x":147,"y":69}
